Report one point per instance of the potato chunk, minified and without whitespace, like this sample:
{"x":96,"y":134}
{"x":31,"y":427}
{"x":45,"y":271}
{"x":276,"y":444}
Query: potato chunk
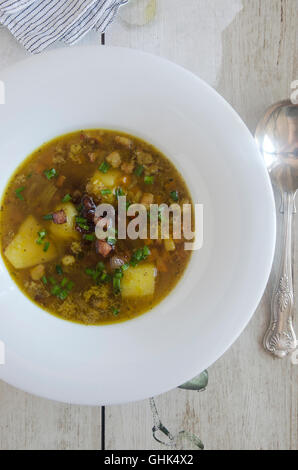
{"x":101,"y":181}
{"x":67,"y":230}
{"x":23,"y":251}
{"x":37,"y":272}
{"x":139,"y":281}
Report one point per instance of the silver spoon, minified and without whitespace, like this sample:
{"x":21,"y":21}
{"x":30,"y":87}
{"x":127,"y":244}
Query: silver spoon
{"x":277,"y":138}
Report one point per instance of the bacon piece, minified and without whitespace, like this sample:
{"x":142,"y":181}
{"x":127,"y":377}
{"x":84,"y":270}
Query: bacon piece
{"x":103,"y":248}
{"x":92,"y":157}
{"x":59,"y":217}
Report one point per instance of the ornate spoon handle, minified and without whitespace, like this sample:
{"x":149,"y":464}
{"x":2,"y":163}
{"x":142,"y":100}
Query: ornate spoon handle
{"x":280,"y":338}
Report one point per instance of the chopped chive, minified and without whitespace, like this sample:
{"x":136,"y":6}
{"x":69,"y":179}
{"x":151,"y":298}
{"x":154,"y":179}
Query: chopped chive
{"x":81,"y":220}
{"x":49,"y":174}
{"x":148,"y":179}
{"x":118,"y":275}
{"x":89,"y":236}
{"x":124,"y":267}
{"x":52,"y":280}
{"x":106,"y":191}
{"x":111,"y":241}
{"x":56,"y":290}
{"x":115,"y":311}
{"x":48,"y":217}
{"x":70,"y":285}
{"x":105,"y":277}
{"x":174,"y":195}
{"x":84,"y":227}
{"x":64,"y":282}
{"x":119,"y":192}
{"x":116,"y":284}
{"x":44,"y":280}
{"x":146,"y":251}
{"x":42,"y":234}
{"x":139,"y":170}
{"x":67,"y":198}
{"x":89,"y":272}
{"x":63,"y":294}
{"x":59,"y":269}
{"x":100,"y":266}
{"x":18,"y":193}
{"x":139,"y":255}
{"x":46,"y":246}
{"x":104,"y":167}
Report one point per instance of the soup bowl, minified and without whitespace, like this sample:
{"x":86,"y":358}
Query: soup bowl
{"x":162,"y":103}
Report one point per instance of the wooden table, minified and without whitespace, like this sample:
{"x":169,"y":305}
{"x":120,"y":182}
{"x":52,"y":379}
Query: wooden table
{"x":247,"y":50}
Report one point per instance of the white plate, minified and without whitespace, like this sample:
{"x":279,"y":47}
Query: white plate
{"x":118,"y":88}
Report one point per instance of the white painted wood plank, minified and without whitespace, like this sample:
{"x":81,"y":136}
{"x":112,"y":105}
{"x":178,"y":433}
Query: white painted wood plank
{"x":28,"y":422}
{"x":247,"y":51}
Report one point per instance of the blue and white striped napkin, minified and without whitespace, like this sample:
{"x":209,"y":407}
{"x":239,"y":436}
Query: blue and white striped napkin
{"x":38,"y":23}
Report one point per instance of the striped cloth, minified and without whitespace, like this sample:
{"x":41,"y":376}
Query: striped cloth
{"x":38,"y":23}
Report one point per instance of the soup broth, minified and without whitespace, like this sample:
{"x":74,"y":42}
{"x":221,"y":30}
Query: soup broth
{"x":48,"y":221}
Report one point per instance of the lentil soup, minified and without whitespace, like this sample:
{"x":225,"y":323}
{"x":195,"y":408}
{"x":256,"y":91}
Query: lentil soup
{"x":48,"y":240}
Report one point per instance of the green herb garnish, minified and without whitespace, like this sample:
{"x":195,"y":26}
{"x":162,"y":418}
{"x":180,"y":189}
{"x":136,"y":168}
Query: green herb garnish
{"x":63,"y":294}
{"x":59,"y":269}
{"x":119,"y":192}
{"x":56,"y":290}
{"x":81,"y":220}
{"x":19,"y":194}
{"x":115,"y":311}
{"x":46,"y":246}
{"x":149,"y":179}
{"x":48,"y":217}
{"x":104,"y":167}
{"x":51,"y":173}
{"x":41,"y":236}
{"x":106,"y":191}
{"x":118,"y":274}
{"x":70,"y":285}
{"x":174,"y":196}
{"x":139,"y":170}
{"x":67,"y":198}
{"x":139,"y":255}
{"x":44,"y":280}
{"x":100,"y":266}
{"x":89,"y":236}
{"x":64,"y":282}
{"x":116,"y":284}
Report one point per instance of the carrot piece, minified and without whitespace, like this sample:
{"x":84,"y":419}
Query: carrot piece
{"x":161,"y":265}
{"x":60,"y":180}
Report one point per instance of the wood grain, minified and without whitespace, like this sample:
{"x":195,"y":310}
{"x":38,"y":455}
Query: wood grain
{"x":28,"y":422}
{"x":251,"y":401}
